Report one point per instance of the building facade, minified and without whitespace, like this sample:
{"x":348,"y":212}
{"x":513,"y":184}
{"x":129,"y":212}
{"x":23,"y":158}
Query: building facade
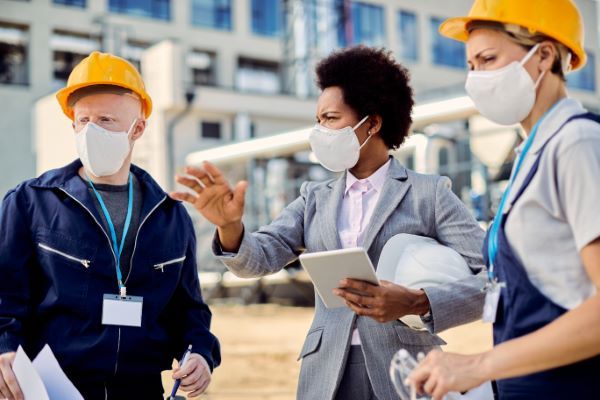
{"x":231,"y":54}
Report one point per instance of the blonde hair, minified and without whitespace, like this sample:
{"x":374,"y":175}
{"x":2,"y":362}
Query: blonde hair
{"x":523,"y":37}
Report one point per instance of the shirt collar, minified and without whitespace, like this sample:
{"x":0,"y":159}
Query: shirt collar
{"x":377,"y":179}
{"x":565,"y":109}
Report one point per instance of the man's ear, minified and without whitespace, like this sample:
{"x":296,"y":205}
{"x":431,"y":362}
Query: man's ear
{"x":138,"y":130}
{"x":375,"y":122}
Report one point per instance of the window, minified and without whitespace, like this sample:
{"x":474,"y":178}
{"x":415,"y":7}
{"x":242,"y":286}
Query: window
{"x":267,"y":17}
{"x":210,"y":130}
{"x":258,"y":76}
{"x":212,"y":14}
{"x":158,"y":9}
{"x":74,"y":3}
{"x":202,"y":65}
{"x":14,"y":69}
{"x":133,"y":51}
{"x":408,"y":35}
{"x":68,"y":50}
{"x":585,"y":78}
{"x":446,"y":52}
{"x":367,"y":24}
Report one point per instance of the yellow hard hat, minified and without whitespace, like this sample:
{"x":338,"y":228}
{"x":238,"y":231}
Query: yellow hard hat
{"x":557,"y":19}
{"x":104,"y":69}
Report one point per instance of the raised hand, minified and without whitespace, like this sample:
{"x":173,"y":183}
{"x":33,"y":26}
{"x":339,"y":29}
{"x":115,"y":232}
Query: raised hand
{"x":214,"y":198}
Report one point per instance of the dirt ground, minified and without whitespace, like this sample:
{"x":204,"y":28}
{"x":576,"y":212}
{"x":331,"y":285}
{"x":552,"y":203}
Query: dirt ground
{"x":260,"y":345}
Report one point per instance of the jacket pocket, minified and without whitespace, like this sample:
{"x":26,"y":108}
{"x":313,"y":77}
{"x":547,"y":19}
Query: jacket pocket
{"x":161,"y":266}
{"x":417,"y":338}
{"x":86,"y":263}
{"x":311,"y":343}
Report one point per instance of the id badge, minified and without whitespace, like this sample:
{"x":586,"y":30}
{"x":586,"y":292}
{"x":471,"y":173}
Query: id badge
{"x":492,"y":297}
{"x":122,"y":311}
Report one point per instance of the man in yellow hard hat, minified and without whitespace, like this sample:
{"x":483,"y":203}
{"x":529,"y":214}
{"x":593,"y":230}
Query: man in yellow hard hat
{"x":97,"y":261}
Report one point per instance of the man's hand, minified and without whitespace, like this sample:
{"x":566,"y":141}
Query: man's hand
{"x":9,"y":387}
{"x":195,"y":375}
{"x":383,"y":303}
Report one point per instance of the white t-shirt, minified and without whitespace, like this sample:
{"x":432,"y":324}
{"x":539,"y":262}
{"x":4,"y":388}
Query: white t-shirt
{"x":559,"y":213}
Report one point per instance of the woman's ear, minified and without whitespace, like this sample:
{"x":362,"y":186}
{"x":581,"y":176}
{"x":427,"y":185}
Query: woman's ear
{"x":375,"y":122}
{"x":548,"y":53}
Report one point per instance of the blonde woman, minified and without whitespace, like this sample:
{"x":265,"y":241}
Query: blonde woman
{"x":543,"y":249}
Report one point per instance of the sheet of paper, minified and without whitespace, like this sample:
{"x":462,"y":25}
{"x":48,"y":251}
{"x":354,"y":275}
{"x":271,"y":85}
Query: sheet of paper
{"x":28,"y":378}
{"x":56,"y":381}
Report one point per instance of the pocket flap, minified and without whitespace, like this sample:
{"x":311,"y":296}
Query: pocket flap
{"x":418,"y":338}
{"x":311,"y":343}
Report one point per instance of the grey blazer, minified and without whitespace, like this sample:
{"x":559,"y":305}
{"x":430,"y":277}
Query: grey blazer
{"x":409,"y":203}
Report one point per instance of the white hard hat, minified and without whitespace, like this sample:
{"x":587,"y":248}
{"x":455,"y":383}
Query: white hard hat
{"x":418,"y":262}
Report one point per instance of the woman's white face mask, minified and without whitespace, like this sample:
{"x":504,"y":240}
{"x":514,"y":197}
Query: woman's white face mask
{"x":336,"y":149}
{"x":102,"y":152}
{"x":506,"y":95}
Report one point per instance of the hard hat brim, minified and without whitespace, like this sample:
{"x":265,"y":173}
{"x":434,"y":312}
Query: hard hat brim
{"x":456,"y":28}
{"x":63,"y":96}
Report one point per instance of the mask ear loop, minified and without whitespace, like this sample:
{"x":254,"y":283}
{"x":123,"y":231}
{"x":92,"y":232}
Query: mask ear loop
{"x":527,"y":58}
{"x":135,"y":121}
{"x":360,"y":123}
{"x":530,"y":54}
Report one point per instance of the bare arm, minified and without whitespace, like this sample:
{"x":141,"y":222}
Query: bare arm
{"x":573,"y":337}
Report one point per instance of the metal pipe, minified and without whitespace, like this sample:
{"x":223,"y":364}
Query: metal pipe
{"x":189,"y":99}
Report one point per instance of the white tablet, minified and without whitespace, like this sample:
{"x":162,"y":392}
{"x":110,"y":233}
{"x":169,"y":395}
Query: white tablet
{"x":327,"y":268}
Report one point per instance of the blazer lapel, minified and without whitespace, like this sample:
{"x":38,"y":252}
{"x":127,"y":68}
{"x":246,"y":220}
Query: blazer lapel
{"x":393,"y":191}
{"x":328,"y":204}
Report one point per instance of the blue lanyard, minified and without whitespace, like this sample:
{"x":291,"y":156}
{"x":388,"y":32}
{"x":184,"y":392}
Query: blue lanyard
{"x":495,"y":229}
{"x":118,"y":249}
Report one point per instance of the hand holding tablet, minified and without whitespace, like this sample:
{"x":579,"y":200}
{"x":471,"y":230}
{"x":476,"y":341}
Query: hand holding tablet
{"x":327,"y":268}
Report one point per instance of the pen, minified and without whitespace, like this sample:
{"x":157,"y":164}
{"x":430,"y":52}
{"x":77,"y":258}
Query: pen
{"x":184,"y":359}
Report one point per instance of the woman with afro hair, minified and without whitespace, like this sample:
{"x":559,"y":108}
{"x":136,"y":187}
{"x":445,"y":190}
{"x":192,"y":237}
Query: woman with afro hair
{"x":363,"y":111}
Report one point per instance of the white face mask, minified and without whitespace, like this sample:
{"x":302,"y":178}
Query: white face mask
{"x":102,"y":152}
{"x":506,"y":95}
{"x":336,"y":149}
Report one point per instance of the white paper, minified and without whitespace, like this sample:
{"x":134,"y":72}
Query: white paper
{"x":28,"y":378}
{"x":56,"y":381}
{"x":43,"y":379}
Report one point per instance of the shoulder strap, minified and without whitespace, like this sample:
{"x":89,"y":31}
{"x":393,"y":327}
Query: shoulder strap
{"x":588,"y":115}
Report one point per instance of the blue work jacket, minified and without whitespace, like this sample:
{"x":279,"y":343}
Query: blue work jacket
{"x":57,"y":262}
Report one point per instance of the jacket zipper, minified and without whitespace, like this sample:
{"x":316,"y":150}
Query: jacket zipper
{"x":114,"y":256}
{"x":131,"y":267}
{"x":162,"y":266}
{"x":138,"y":233}
{"x":84,"y":262}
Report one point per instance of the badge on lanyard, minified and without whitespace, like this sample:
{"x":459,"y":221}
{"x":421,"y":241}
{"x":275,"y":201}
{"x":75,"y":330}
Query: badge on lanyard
{"x":492,"y":297}
{"x":120,"y":309}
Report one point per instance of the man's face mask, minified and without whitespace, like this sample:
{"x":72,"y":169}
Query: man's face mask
{"x":101,"y":151}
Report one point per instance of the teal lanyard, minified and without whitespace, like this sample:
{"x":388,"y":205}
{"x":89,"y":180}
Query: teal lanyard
{"x":118,"y":248}
{"x":492,"y":247}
